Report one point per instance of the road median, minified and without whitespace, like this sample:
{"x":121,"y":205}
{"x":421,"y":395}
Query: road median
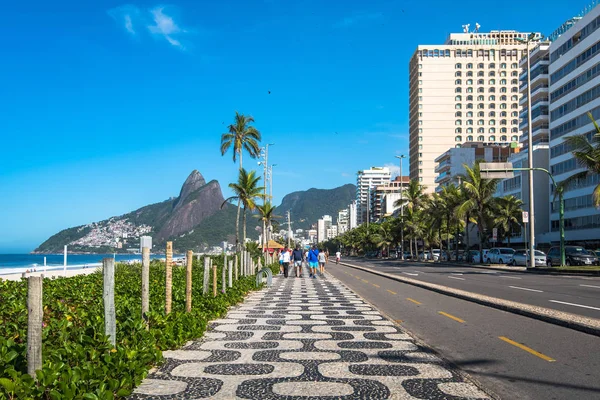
{"x":568,"y":320}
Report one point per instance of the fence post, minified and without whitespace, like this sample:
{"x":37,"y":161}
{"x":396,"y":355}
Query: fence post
{"x":110,"y":323}
{"x":169,"y":277}
{"x":188,"y":281}
{"x":235,"y":266}
{"x":224,"y":273}
{"x":230,"y":273}
{"x":35,"y":315}
{"x":145,"y":284}
{"x":206,"y":275}
{"x":214,"y":271}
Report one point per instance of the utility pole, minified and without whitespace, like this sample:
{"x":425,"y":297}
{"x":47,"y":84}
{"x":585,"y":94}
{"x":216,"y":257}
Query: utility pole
{"x":401,"y":208}
{"x":289,"y":229}
{"x":265,"y":164}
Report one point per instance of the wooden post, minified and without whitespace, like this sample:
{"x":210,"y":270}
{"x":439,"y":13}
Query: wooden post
{"x":235,"y":266}
{"x":224,"y":273}
{"x":110,"y":323}
{"x":230,"y":273}
{"x":35,"y":310}
{"x":169,"y":278}
{"x":214,"y":271}
{"x":145,"y":284}
{"x":188,"y":281}
{"x":206,"y":275}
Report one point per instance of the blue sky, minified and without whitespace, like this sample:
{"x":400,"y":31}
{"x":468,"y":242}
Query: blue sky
{"x":108,"y":106}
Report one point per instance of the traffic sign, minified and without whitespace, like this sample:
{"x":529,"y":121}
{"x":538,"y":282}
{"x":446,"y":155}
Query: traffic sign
{"x":495,"y":235}
{"x":525,"y":217}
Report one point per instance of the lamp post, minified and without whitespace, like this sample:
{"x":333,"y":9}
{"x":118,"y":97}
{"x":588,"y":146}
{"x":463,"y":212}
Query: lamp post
{"x":265,"y":165}
{"x":532,"y":37}
{"x":400,"y":157}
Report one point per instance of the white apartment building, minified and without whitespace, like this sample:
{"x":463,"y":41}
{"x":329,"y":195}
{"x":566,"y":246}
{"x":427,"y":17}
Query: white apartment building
{"x":352,"y":215}
{"x":331,"y":232}
{"x":366,"y":181}
{"x":384,"y":196}
{"x":574,"y":91}
{"x":343,"y":221}
{"x":465,"y":90}
{"x":322,"y":225}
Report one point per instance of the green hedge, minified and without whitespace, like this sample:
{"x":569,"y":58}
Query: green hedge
{"x":78,"y":360}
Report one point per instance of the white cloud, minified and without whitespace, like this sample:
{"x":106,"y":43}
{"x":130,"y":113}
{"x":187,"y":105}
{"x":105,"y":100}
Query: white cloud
{"x":129,"y":24}
{"x":165,"y":26}
{"x":126,"y":15}
{"x":395,"y":169}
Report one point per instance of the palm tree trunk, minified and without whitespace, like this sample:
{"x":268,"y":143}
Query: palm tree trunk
{"x":467,"y":235}
{"x":244,"y":229}
{"x":237,"y":219}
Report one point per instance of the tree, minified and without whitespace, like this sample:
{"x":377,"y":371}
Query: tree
{"x":241,"y":136}
{"x":587,"y":154}
{"x":450,"y":198}
{"x":246,"y":191}
{"x":479,"y":198}
{"x":414,"y":199}
{"x":385,"y":237}
{"x":508,"y":214}
{"x":266,"y":213}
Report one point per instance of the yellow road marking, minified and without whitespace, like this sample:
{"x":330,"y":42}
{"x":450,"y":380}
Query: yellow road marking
{"x":357,"y":277}
{"x":391,"y":291}
{"x":365,"y":281}
{"x":527,"y":349}
{"x":451,"y":316}
{"x":377,"y":286}
{"x":399,"y":321}
{"x":414,"y":301}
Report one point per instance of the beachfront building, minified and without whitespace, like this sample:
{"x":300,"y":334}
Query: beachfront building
{"x":343,"y":221}
{"x":323,"y":224}
{"x":465,"y":90}
{"x":574,"y":92}
{"x":366,"y":181}
{"x":385,"y":196}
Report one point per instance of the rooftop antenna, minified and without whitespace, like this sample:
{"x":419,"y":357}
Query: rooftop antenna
{"x":477,"y":26}
{"x":466,"y":28}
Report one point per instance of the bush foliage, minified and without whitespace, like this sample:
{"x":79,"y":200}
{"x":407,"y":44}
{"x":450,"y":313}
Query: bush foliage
{"x":78,"y":360}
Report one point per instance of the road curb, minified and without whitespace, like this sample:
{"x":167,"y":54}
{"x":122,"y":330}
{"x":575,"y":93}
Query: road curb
{"x":568,"y":320}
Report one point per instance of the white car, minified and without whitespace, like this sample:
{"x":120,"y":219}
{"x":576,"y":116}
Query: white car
{"x":500,"y":255}
{"x":521,"y":257}
{"x":439,"y":255}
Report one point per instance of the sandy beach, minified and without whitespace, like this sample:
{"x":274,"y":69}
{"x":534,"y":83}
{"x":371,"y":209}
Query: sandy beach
{"x":56,"y":273}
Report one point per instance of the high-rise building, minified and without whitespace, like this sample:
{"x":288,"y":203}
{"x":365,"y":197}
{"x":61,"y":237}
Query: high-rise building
{"x":366,"y":181}
{"x":343,"y":221}
{"x":352,"y":215}
{"x":464,"y":90}
{"x":384,"y":196}
{"x":574,"y":92}
{"x":322,"y":225}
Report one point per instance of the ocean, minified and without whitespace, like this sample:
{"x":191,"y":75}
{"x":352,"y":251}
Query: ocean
{"x":17,"y":263}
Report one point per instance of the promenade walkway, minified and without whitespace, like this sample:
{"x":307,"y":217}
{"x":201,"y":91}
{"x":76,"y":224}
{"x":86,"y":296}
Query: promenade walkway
{"x":305,"y":339}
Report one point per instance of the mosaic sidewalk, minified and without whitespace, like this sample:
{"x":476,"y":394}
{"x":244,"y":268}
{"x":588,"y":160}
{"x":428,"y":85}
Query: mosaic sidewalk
{"x":305,"y":339}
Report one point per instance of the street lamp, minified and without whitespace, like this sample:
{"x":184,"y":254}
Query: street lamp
{"x":532,"y":37}
{"x":265,"y":165}
{"x":400,"y":157}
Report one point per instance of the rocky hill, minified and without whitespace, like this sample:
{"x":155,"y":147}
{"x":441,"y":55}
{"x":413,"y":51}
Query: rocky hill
{"x":306,"y":207}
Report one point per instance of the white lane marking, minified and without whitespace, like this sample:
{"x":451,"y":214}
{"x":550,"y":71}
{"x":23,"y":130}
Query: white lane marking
{"x":576,"y":305}
{"x":455,"y":277}
{"x":592,"y":286}
{"x":511,"y":277}
{"x":408,"y":273}
{"x":456,"y":273}
{"x":524,"y":288}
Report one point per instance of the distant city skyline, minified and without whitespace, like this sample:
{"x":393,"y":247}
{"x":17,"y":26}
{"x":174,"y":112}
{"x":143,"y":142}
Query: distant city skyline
{"x":107,"y":107}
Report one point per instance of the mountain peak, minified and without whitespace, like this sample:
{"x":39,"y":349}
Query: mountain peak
{"x":193,"y":182}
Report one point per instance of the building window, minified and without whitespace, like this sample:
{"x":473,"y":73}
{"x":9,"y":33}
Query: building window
{"x":492,"y":138}
{"x":492,"y":66}
{"x":514,"y":82}
{"x":502,"y":113}
{"x":458,"y":114}
{"x":420,"y":162}
{"x":514,"y":65}
{"x":469,"y":138}
{"x":503,"y":89}
{"x":480,"y":114}
{"x":480,"y":73}
{"x":420,"y":90}
{"x":480,"y":81}
{"x":481,"y":138}
{"x":458,"y":90}
{"x":492,"y":82}
{"x":492,"y":130}
{"x":492,"y":90}
{"x":469,"y":81}
{"x":514,"y":97}
{"x":420,"y":171}
{"x":502,"y":98}
{"x":480,"y":130}
{"x":420,"y":122}
{"x":503,"y":81}
{"x":458,"y":82}
{"x":514,"y":114}
{"x":514,"y":138}
{"x":469,"y":114}
{"x":492,"y":98}
{"x":480,"y":106}
{"x":458,"y":130}
{"x":503,"y":74}
{"x":514,"y":130}
{"x":503,"y":130}
{"x":514,"y":90}
{"x":420,"y":154}
{"x":469,"y":90}
{"x":502,"y":122}
{"x":480,"y":122}
{"x":514,"y":105}
{"x":480,"y":89}
{"x":469,"y":74}
{"x":469,"y":122}
{"x":420,"y":179}
{"x":514,"y":73}
{"x":480,"y":65}
{"x":457,"y":106}
{"x":458,"y":98}
{"x":469,"y":106}
{"x":457,"y":74}
{"x":469,"y":66}
{"x":491,"y":73}
{"x":420,"y":147}
{"x":503,"y":106}
{"x":420,"y":138}
{"x":480,"y":98}
{"x":514,"y":122}
{"x":458,"y":138}
{"x":492,"y":114}
{"x":469,"y":130}
{"x":469,"y":98}
{"x":492,"y":122}
{"x":458,"y":65}
{"x":503,"y":138}
{"x":420,"y":130}
{"x":458,"y":122}
{"x":502,"y":65}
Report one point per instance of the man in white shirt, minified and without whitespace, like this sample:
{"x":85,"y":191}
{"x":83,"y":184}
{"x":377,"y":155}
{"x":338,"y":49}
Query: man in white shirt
{"x":286,"y":261}
{"x":338,"y":256}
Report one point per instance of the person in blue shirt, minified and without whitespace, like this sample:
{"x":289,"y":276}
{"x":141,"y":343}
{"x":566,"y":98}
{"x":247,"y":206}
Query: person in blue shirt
{"x":313,"y":261}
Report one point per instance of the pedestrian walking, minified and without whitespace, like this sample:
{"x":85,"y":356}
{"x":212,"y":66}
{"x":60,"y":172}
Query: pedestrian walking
{"x":286,"y":262}
{"x":338,"y":256}
{"x":297,"y":260}
{"x":313,"y":261}
{"x":280,"y":262}
{"x":322,"y":260}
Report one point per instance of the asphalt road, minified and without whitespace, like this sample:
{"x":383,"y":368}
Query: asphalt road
{"x":511,"y":356}
{"x":577,"y":295}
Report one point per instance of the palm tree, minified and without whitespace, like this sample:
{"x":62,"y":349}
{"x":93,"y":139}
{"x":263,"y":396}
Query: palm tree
{"x":479,"y":197}
{"x":508,"y":214}
{"x":450,"y":198}
{"x":246,"y":191}
{"x":414,"y":200}
{"x":587,"y":154}
{"x":241,"y":136}
{"x":266,"y":213}
{"x":385,"y":237}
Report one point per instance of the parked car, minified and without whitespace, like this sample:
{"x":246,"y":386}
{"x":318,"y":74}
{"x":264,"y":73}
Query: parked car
{"x":475,"y":255}
{"x":500,"y":255}
{"x":574,"y":255}
{"x":439,"y":255}
{"x":521,"y":257}
{"x":425,"y":256}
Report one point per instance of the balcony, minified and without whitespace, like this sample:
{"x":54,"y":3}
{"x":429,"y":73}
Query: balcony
{"x":443,"y":166}
{"x":443,"y":177}
{"x":537,"y":90}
